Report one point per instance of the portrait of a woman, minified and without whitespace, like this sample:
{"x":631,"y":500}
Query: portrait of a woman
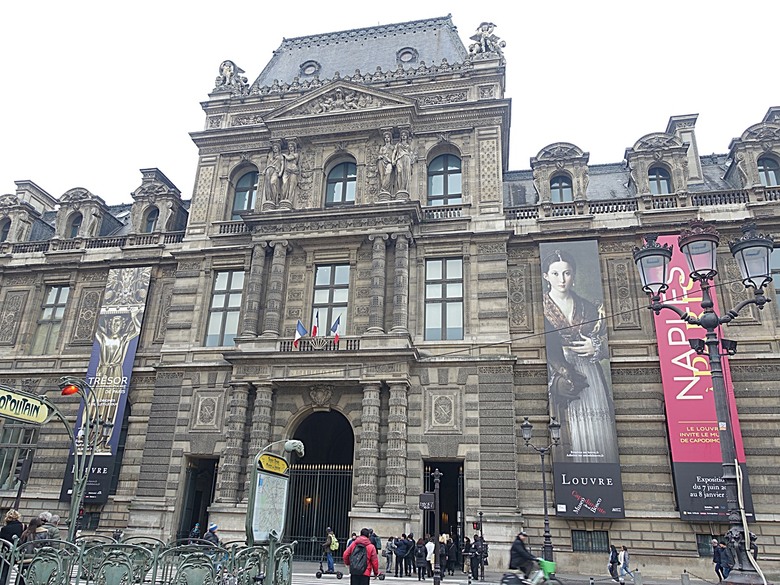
{"x":580,"y":391}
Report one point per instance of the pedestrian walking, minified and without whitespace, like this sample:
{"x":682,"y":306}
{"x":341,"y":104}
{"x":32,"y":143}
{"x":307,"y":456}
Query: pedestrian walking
{"x":716,"y":559}
{"x":466,"y":555}
{"x":624,"y":562}
{"x":361,"y":553}
{"x":726,"y":559}
{"x":452,"y":556}
{"x":612,"y":567}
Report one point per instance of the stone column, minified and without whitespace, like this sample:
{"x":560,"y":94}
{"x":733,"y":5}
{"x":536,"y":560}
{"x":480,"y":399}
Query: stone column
{"x":273,"y":296}
{"x":260,"y":435}
{"x":376,"y":316}
{"x":395,"y":490}
{"x":369,"y":447}
{"x":251,"y":301}
{"x":229,"y":486}
{"x":401,"y":283}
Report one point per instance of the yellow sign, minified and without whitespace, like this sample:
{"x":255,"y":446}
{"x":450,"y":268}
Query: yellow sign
{"x":22,"y":407}
{"x":272,"y":464}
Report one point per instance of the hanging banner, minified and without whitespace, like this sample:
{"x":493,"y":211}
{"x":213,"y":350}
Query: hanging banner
{"x":690,"y":404}
{"x":586,"y":465}
{"x":108,"y":375}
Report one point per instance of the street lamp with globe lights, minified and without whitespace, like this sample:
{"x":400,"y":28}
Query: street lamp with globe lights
{"x":699,"y":245}
{"x":555,"y":437}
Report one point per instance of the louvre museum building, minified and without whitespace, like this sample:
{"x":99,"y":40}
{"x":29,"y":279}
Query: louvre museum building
{"x":354,"y":266}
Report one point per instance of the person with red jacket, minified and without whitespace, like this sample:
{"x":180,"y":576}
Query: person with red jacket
{"x":373,"y":559}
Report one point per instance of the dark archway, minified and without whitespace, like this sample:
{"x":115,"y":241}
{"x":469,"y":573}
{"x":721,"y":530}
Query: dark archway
{"x":320,"y":493}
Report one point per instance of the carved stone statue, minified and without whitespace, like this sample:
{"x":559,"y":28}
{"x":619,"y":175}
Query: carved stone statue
{"x":230,"y":79}
{"x":385,"y":163}
{"x":402,"y":159}
{"x":486,"y":41}
{"x":291,"y":172}
{"x":272,"y":176}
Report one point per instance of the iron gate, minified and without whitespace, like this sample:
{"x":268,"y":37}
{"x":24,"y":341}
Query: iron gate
{"x":320,"y":496}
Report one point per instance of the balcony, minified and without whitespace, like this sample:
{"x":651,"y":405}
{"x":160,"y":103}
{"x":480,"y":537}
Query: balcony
{"x":310,"y":344}
{"x":130,"y":241}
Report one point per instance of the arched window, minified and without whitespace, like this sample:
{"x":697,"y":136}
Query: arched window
{"x":560,"y":189}
{"x":340,"y":188}
{"x":445,"y":184}
{"x":246,"y":194}
{"x":769,"y":171}
{"x":660,"y":181}
{"x":74,"y":225}
{"x":152,"y":215}
{"x":5,"y":228}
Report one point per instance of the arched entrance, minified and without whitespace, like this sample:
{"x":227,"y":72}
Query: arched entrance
{"x":320,"y":493}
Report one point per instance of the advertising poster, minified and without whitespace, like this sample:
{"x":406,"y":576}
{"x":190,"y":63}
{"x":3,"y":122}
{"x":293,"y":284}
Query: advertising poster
{"x":690,"y":404}
{"x":586,"y":465}
{"x":108,"y":374}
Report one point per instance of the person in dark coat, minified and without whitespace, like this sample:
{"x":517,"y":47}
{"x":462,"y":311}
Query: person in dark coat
{"x":613,"y":562}
{"x":409,"y":561}
{"x":726,"y":559}
{"x":716,"y":559}
{"x":13,"y":528}
{"x":452,"y":556}
{"x":519,"y":555}
{"x":421,"y":559}
{"x":401,"y":548}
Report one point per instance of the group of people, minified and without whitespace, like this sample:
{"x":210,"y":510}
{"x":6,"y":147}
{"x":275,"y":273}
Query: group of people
{"x":43,"y":527}
{"x":210,"y":535}
{"x":619,"y":563}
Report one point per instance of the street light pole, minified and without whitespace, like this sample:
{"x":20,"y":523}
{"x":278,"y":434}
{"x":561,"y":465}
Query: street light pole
{"x":752,"y":251}
{"x":437,"y":475}
{"x":555,"y":437}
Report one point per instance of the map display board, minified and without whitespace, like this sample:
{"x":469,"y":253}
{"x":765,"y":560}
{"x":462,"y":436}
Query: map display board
{"x":268,"y":505}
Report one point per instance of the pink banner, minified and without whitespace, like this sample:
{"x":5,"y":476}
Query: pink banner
{"x":688,"y":395}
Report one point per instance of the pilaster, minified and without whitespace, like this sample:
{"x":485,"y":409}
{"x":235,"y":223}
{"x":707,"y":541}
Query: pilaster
{"x":369,"y":448}
{"x":274,"y":295}
{"x":376,"y":315}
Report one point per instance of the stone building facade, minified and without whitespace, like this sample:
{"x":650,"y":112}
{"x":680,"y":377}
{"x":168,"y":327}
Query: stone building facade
{"x":363,"y":177}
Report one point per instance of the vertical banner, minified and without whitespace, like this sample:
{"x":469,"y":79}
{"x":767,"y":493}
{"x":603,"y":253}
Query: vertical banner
{"x":690,"y":404}
{"x":586,"y":466}
{"x":110,"y":368}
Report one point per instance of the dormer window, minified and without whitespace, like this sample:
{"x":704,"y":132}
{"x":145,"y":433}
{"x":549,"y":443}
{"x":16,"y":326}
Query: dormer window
{"x":561,"y":190}
{"x":769,"y":171}
{"x":152,"y":215}
{"x":74,"y":225}
{"x":660,"y":181}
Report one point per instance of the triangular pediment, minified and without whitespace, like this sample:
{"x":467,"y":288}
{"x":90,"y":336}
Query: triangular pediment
{"x":339,"y":97}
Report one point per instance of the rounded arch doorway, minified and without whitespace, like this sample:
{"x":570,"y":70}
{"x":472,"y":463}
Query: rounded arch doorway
{"x":320,"y":483}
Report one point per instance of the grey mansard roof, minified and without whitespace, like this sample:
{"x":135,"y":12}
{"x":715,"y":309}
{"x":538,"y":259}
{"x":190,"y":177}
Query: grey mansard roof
{"x":365,"y":49}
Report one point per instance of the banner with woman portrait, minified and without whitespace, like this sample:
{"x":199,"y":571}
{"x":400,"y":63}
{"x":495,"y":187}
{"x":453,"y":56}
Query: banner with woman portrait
{"x":108,"y":376}
{"x":586,"y":464}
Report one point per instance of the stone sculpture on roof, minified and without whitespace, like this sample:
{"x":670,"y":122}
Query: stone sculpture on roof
{"x":230,"y":79}
{"x":486,"y":42}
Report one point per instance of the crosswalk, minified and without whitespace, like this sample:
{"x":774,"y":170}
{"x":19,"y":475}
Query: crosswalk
{"x":300,"y":577}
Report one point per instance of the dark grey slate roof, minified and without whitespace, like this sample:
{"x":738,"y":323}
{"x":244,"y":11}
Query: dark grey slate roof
{"x":608,"y":181}
{"x":366,"y":49}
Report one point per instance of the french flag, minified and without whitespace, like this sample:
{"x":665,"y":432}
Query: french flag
{"x":315,"y":323}
{"x":300,"y":331}
{"x":335,"y":329}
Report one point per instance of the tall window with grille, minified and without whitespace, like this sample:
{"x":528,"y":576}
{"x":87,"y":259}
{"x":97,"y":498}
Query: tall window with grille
{"x":443,"y":299}
{"x":331,"y":295}
{"x":225,"y":308}
{"x":17,"y":441}
{"x":50,"y":321}
{"x":592,"y":541}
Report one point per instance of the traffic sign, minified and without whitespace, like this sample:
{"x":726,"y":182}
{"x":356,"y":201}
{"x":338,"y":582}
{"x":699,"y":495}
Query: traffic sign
{"x":426,"y":501}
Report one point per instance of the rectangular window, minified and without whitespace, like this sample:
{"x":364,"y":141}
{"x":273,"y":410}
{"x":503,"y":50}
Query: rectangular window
{"x":444,"y":299}
{"x":52,"y":312}
{"x":17,"y":441}
{"x":592,"y":541}
{"x":704,"y":544}
{"x":774,"y":263}
{"x":331,"y":296}
{"x":225,"y":308}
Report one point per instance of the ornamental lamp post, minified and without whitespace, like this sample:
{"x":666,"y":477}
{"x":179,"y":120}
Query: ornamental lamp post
{"x":752,"y":252}
{"x":85,"y":442}
{"x":555,"y":436}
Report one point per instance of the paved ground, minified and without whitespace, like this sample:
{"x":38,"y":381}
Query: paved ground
{"x":304,"y":574}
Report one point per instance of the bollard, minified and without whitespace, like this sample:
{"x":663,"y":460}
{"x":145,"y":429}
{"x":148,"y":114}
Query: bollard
{"x":637,"y":577}
{"x":685,"y":578}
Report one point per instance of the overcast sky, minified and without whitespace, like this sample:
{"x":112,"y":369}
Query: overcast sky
{"x":94,"y":91}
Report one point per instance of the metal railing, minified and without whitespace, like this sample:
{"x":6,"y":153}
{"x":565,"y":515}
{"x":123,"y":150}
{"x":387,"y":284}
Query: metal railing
{"x":307,"y":344}
{"x":142,"y":560}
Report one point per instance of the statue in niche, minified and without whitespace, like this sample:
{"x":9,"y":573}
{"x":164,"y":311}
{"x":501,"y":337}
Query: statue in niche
{"x":272,"y":176}
{"x":291,"y":172}
{"x":386,"y":163}
{"x":402,"y":158}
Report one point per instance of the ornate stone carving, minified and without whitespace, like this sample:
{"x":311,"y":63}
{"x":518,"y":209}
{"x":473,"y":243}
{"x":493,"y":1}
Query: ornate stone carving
{"x":320,"y":395}
{"x":486,"y":43}
{"x":231,"y":80}
{"x":89,"y":305}
{"x":489,"y":178}
{"x":493,"y":248}
{"x":166,"y":297}
{"x":11,"y":315}
{"x":625,"y":313}
{"x":246,"y":120}
{"x":451,"y":97}
{"x":520,"y":299}
{"x":339,"y":100}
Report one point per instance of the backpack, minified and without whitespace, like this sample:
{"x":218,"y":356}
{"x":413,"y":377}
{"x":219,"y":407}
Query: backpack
{"x":334,"y":542}
{"x":358,"y":560}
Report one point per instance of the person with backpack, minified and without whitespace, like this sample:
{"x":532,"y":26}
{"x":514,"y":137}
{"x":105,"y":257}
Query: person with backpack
{"x":401,"y":548}
{"x":420,"y":559}
{"x":362,"y":559}
{"x":330,"y":545}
